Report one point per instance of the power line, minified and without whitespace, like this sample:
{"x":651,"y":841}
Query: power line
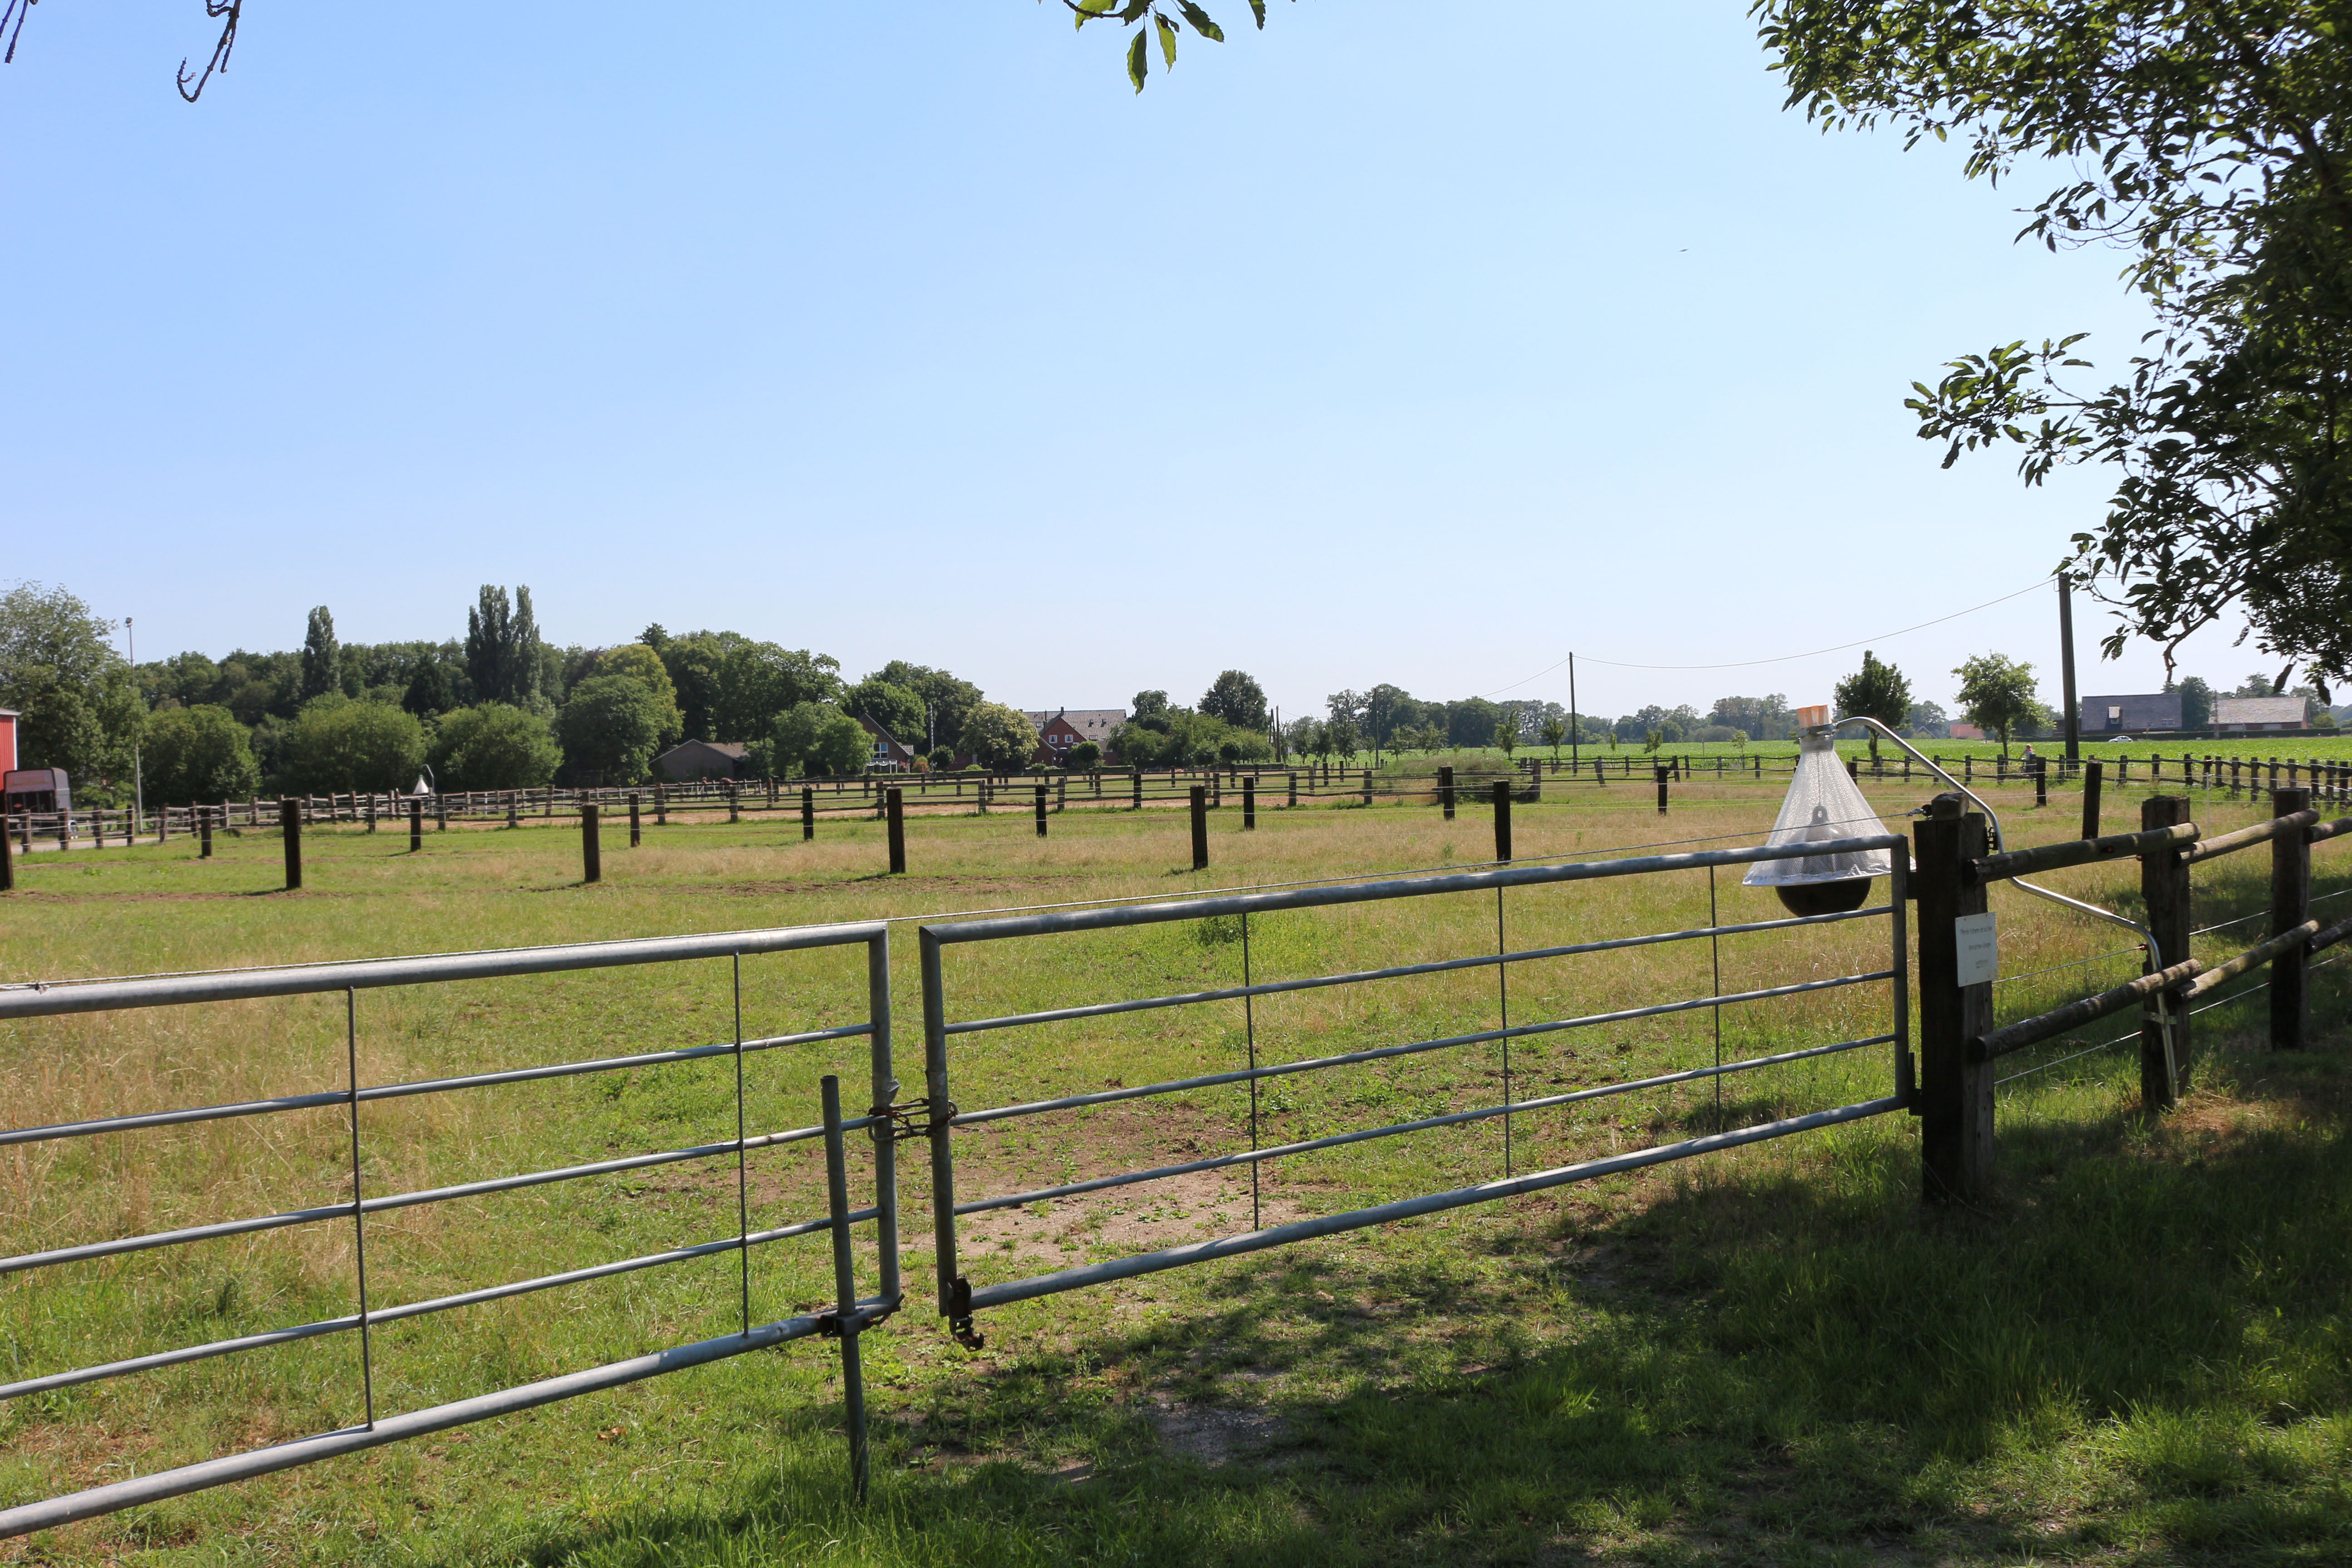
{"x":1786,"y":657}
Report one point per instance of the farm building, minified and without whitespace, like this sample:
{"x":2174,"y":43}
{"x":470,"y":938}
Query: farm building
{"x":7,"y":740}
{"x":1967,"y":732}
{"x":889,"y":756}
{"x":1059,"y":729}
{"x":2131,"y":715}
{"x":703,"y":760}
{"x":2251,"y":715}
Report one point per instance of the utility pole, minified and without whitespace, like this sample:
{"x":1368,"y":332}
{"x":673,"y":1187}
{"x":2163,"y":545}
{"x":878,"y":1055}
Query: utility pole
{"x":1573,"y":723}
{"x":138,"y":784}
{"x":2073,"y":728}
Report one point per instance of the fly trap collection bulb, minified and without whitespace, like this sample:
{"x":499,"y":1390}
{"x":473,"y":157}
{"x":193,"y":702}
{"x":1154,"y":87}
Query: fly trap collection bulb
{"x":1823,"y":803}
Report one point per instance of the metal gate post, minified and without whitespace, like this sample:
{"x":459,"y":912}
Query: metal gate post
{"x":954,"y":1292}
{"x":847,"y":1322}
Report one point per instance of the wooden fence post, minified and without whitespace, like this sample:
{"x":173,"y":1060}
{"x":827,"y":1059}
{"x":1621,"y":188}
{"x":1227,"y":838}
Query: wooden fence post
{"x":1041,"y":811}
{"x":2164,"y":894}
{"x":289,"y":825}
{"x":1445,"y":791}
{"x":1293,"y":787}
{"x":1661,"y":792}
{"x":440,"y":812}
{"x":8,"y":859}
{"x":2091,"y":781}
{"x":895,"y":805}
{"x":1135,"y":780}
{"x":1200,"y":828}
{"x":1503,"y":820}
{"x":1249,"y":803}
{"x":416,"y":827}
{"x":1956,"y":1103}
{"x":205,"y":831}
{"x":734,"y":803}
{"x":661,"y":805}
{"x":635,"y":821}
{"x":808,"y":811}
{"x":2290,"y":906}
{"x":592,"y":857}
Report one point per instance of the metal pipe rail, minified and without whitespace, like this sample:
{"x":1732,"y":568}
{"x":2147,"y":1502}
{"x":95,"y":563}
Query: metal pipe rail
{"x":957,"y":1299}
{"x":1409,"y":1208}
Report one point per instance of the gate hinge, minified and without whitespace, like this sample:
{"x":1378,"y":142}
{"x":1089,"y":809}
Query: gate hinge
{"x":959,"y":1315}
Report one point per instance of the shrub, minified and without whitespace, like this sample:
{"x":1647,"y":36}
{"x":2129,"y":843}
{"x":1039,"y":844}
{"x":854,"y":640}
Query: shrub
{"x":1000,"y":739}
{"x":1082,"y":756}
{"x":199,"y":754}
{"x":494,"y":746}
{"x":610,"y":726}
{"x":338,"y":744}
{"x":820,"y":740}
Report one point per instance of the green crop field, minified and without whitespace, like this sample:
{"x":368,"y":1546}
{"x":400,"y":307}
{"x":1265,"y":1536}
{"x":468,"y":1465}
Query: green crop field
{"x":2138,"y":1349}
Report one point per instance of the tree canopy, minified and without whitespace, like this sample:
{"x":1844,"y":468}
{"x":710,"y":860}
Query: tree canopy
{"x":1877,"y":690}
{"x":200,"y":754}
{"x":1000,"y":739}
{"x":494,"y":746}
{"x":1997,"y":693}
{"x":2206,"y":139}
{"x":81,"y":702}
{"x":610,"y":726}
{"x":339,"y":745}
{"x":1236,"y":698}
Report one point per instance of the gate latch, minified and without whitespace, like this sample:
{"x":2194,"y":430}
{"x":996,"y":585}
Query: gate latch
{"x":902,"y":1119}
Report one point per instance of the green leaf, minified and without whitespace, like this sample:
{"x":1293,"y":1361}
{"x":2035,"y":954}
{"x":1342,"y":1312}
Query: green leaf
{"x":1201,"y":22}
{"x":1257,"y":7}
{"x":1139,"y":64}
{"x":1089,"y":10}
{"x":1168,"y":31}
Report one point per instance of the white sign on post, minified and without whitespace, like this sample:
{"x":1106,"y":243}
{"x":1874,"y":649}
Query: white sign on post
{"x":1979,"y":951}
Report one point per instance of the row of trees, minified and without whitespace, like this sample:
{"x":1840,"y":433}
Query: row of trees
{"x":500,"y":709}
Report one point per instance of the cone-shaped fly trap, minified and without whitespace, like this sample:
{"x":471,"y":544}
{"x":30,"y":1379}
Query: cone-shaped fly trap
{"x":1823,"y":803}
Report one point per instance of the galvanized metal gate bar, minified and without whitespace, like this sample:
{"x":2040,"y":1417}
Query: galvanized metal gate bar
{"x":851,"y":1315}
{"x":957,"y":1299}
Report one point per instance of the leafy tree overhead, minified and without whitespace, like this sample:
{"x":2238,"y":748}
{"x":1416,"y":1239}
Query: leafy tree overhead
{"x":322,"y":662}
{"x":339,"y":746}
{"x":494,"y":746}
{"x":1000,"y":739}
{"x":79,"y":698}
{"x":1877,"y":690}
{"x":2206,"y":139}
{"x":610,"y":726}
{"x":1156,"y":27}
{"x":820,"y":740}
{"x":1998,"y":695}
{"x":198,"y":754}
{"x":1238,"y":700}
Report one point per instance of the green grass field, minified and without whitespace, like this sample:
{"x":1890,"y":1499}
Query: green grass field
{"x":2136,"y":1351}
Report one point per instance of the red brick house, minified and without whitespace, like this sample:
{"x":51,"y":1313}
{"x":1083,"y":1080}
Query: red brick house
{"x":1059,"y":729}
{"x":889,"y":756}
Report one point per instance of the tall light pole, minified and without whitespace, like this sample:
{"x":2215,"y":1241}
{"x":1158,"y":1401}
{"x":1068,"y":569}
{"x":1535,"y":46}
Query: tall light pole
{"x":138,"y":784}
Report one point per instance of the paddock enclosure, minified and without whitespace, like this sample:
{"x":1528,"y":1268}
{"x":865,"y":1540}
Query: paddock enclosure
{"x":434,"y":1191}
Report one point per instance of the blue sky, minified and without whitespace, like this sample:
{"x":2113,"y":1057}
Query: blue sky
{"x":1383,"y":344}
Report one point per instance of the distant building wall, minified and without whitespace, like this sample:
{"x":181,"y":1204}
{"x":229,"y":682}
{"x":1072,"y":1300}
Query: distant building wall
{"x":2130,"y":714}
